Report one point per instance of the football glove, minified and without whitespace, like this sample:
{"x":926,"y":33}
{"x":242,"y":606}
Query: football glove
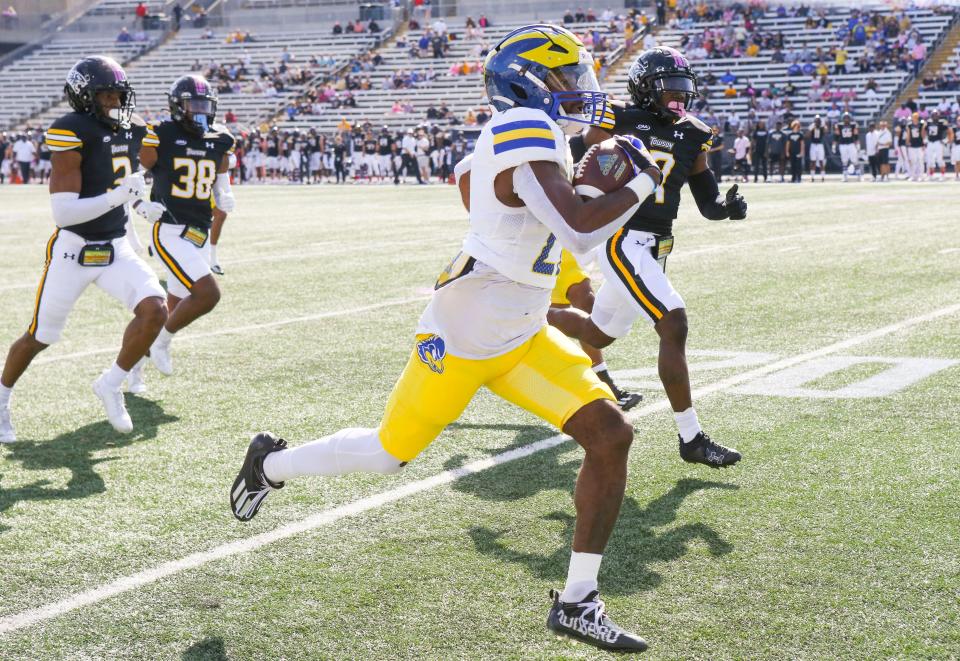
{"x":130,"y":188}
{"x":639,"y":157}
{"x":152,"y":211}
{"x":736,"y":205}
{"x":226,"y":202}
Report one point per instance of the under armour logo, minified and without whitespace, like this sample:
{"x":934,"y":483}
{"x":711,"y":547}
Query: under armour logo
{"x":67,"y":255}
{"x":209,"y":145}
{"x":678,"y":135}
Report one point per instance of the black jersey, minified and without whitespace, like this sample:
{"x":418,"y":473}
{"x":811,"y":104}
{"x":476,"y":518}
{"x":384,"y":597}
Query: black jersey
{"x":760,"y":141}
{"x":915,"y":134}
{"x":674,"y":146}
{"x":186,"y":170}
{"x":794,"y":138}
{"x":107,"y":157}
{"x":816,"y":135}
{"x":848,"y":133}
{"x":384,"y":144}
{"x":936,"y":131}
{"x":356,"y":144}
{"x":273,"y":147}
{"x":370,"y":146}
{"x":776,"y":142}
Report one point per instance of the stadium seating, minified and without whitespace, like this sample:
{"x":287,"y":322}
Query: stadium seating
{"x":36,"y":80}
{"x":930,"y":98}
{"x":153,"y":73}
{"x":763,"y":73}
{"x":460,"y":93}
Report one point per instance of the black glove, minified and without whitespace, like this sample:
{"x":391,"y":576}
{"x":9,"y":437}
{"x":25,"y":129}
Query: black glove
{"x":736,"y":205}
{"x":636,"y":152}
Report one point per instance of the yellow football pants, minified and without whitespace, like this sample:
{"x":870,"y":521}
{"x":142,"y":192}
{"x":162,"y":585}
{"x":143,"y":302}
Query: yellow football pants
{"x":570,"y":274}
{"x":547,"y":375}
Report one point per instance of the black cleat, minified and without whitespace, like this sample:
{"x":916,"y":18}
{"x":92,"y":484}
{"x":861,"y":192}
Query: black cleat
{"x":701,"y":450}
{"x":587,"y":621}
{"x":252,"y":486}
{"x":626,"y":400}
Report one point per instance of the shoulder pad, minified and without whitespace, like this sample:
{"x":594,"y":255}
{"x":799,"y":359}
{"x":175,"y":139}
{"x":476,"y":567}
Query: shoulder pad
{"x":697,"y":123}
{"x":66,"y":133}
{"x":628,"y":116}
{"x":521,"y":135}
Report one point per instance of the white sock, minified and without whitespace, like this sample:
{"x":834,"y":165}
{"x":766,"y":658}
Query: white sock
{"x":600,"y":367}
{"x":163,"y":339}
{"x":581,"y":576}
{"x":115,"y":376}
{"x":213,"y":254}
{"x":688,"y":424}
{"x":347,"y":451}
{"x":5,"y":393}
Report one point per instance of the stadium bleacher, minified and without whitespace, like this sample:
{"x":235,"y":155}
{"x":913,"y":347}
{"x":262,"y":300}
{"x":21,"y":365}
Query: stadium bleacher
{"x":944,"y":99}
{"x":459,"y":92}
{"x":152,"y":74}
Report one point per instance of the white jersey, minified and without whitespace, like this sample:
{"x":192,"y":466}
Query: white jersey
{"x":495,"y":295}
{"x":511,"y":239}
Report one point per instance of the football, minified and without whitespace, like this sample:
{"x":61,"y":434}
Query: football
{"x":604,"y":168}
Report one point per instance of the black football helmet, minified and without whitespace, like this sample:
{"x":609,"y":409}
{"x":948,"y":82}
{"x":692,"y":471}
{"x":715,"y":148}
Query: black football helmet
{"x":193,"y":103}
{"x":846,"y":118}
{"x":659,"y":70}
{"x":100,"y":74}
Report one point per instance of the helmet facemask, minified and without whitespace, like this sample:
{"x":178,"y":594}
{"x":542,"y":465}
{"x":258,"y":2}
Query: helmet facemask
{"x":577,"y":101}
{"x":674,"y":84}
{"x":198,"y":114}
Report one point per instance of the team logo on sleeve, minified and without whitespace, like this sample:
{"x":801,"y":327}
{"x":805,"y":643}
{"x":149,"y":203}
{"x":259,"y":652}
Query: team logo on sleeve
{"x":432,"y":350}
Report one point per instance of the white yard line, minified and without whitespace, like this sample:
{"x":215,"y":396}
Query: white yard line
{"x":947,"y":251}
{"x":28,"y":618}
{"x":244,"y":329}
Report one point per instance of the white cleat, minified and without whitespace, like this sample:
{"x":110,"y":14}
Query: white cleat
{"x":135,"y":382}
{"x":114,"y":405}
{"x":7,"y":434}
{"x":161,"y":358}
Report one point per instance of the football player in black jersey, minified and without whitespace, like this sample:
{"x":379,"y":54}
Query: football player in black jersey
{"x":816,"y":135}
{"x":936,"y":134}
{"x":953,"y":137}
{"x":662,"y":86}
{"x":189,"y":156}
{"x":847,"y":142}
{"x":94,"y":175}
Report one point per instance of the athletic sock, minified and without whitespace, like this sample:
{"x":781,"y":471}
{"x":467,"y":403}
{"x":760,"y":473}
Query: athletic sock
{"x":115,"y":376}
{"x":581,"y":576}
{"x":347,"y":451}
{"x":163,"y":339}
{"x":213,"y":253}
{"x":600,"y":367}
{"x":5,"y":393}
{"x":688,"y":424}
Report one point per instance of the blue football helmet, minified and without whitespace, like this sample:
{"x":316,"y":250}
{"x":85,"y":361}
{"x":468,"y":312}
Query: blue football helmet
{"x":546,"y":67}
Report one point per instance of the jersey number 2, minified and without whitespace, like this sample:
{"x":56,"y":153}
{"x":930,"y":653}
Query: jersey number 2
{"x":197,"y":181}
{"x":541,"y":265}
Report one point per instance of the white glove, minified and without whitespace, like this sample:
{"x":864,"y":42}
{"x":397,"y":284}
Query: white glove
{"x":149,"y":210}
{"x":226,"y":202}
{"x":131,"y":187}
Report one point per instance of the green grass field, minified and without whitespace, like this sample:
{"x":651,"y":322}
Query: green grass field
{"x":835,"y":537}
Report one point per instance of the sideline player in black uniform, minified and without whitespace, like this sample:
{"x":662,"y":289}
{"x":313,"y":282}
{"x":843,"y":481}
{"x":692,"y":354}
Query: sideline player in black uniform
{"x":385,"y":155}
{"x":795,"y":149}
{"x":847,"y":136}
{"x":94,"y":174}
{"x":936,"y":135}
{"x":189,"y":156}
{"x":818,"y":152}
{"x":759,"y":151}
{"x":778,"y":154}
{"x":662,"y":87}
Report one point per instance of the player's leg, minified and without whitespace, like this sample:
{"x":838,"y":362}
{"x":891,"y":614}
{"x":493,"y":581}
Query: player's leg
{"x":189,"y":279}
{"x":554,"y":381}
{"x":216,"y":227}
{"x":432,"y":392}
{"x":62,"y":281}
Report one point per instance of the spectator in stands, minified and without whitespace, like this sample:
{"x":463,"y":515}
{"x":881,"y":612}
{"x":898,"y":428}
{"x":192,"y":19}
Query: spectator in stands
{"x":373,"y":27}
{"x":661,"y":12}
{"x":483,"y":22}
{"x":207,"y":34}
{"x":337,"y":28}
{"x":177,"y":16}
{"x":918,"y":53}
{"x":568,"y":17}
{"x":124,"y":37}
{"x":141,"y":12}
{"x":840,"y":60}
{"x":728,"y":78}
{"x":10,"y":17}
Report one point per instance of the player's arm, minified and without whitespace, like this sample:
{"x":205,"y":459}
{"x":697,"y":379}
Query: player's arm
{"x":705,"y":191}
{"x":65,"y":182}
{"x":580,"y":226}
{"x":222,"y":192}
{"x":461,"y":173}
{"x":148,"y":157}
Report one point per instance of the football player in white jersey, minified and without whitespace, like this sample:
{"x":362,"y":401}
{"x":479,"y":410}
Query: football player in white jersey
{"x":486,"y":323}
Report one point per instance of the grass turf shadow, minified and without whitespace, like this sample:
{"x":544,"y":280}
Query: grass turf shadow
{"x":210,"y":648}
{"x":75,"y":451}
{"x":643,"y":535}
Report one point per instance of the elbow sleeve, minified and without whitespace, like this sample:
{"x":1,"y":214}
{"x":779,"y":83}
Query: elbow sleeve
{"x":70,"y":209}
{"x":703,"y":185}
